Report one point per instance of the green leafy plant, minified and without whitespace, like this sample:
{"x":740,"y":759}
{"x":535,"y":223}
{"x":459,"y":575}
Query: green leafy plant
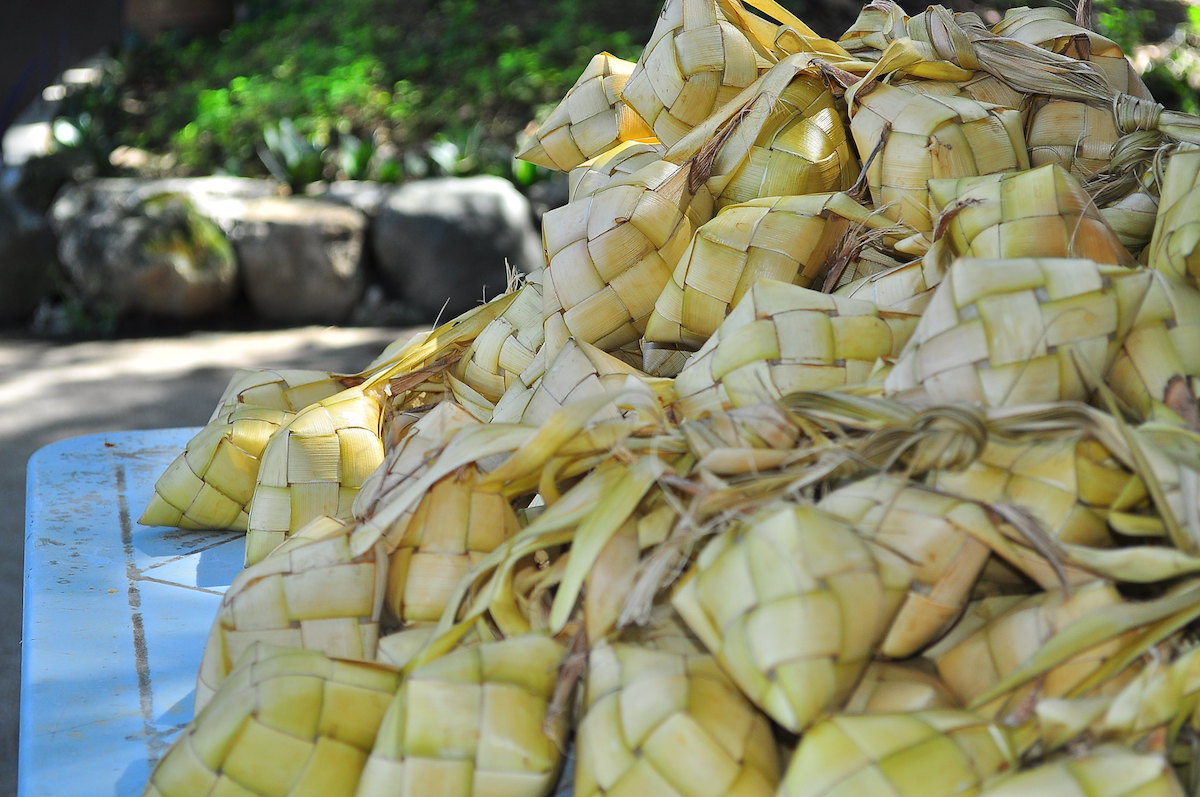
{"x":355,"y":156}
{"x":1126,"y":27}
{"x":525,"y":174}
{"x":1170,"y":69}
{"x":457,"y":155}
{"x":293,"y":158}
{"x":472,"y":72}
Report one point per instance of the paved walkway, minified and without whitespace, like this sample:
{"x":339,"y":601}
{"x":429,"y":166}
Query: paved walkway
{"x":51,"y":392}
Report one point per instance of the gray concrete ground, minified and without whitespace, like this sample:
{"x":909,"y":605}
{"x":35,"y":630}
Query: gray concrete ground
{"x":51,"y":392}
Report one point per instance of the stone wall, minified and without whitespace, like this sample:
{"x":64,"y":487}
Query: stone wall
{"x":187,"y":249}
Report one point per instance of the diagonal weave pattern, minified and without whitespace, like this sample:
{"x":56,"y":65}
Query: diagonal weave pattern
{"x":693,"y":64}
{"x":506,"y":346}
{"x":211,"y":483}
{"x":969,"y":345}
{"x":590,"y":119}
{"x":453,"y":527}
{"x":621,"y":161}
{"x":314,"y":466}
{"x":644,"y":708}
{"x":928,"y":137}
{"x":290,"y":389}
{"x":906,"y":287}
{"x":785,"y":238}
{"x":783,"y":338}
{"x":411,"y":447}
{"x":792,"y":603}
{"x":313,"y":593}
{"x":434,"y":538}
{"x":470,"y":724}
{"x":1040,"y":212}
{"x":287,"y":722}
{"x":925,"y":753}
{"x":577,"y":372}
{"x":610,"y":254}
{"x":801,"y":147}
{"x":928,"y":530}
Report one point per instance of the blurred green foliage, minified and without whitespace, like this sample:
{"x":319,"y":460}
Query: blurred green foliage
{"x":1124,"y":26}
{"x":292,"y":157}
{"x":383,"y":88}
{"x":1169,"y":68}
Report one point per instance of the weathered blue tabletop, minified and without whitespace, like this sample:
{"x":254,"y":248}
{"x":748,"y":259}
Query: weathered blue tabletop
{"x":115,"y":617}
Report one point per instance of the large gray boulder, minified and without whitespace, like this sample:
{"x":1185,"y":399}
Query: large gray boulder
{"x":444,"y":242}
{"x":301,"y":259}
{"x":26,"y":259}
{"x":218,"y":197}
{"x":201,"y":190}
{"x":140,"y":252}
{"x":548,"y":194}
{"x":363,"y":195}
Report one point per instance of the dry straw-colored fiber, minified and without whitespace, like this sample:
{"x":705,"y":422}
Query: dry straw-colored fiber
{"x":314,"y":593}
{"x":693,"y":64}
{"x":794,"y":239}
{"x":644,"y":707}
{"x":286,"y":722}
{"x":589,"y":120}
{"x":1017,"y":331}
{"x":782,"y":338}
{"x":314,"y":466}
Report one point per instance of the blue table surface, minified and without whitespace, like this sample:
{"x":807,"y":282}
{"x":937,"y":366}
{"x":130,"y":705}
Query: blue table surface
{"x":116,"y":615}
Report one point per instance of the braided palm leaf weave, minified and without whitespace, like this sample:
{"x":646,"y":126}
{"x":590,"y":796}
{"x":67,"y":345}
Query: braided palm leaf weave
{"x":785,"y":238}
{"x":288,"y":722}
{"x":314,"y":466}
{"x":968,"y":347}
{"x":210,"y":484}
{"x":315,"y":593}
{"x":642,"y":706}
{"x":589,"y":120}
{"x":693,"y":64}
{"x":1040,"y":212}
{"x":783,"y":338}
{"x":927,"y":137}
